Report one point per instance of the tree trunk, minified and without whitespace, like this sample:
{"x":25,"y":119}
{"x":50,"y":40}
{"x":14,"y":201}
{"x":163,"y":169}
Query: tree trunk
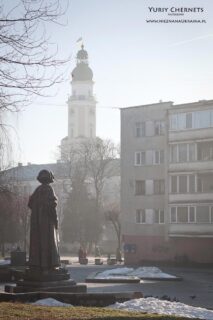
{"x":3,"y":249}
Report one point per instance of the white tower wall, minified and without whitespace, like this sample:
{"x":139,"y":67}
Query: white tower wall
{"x":81,"y":105}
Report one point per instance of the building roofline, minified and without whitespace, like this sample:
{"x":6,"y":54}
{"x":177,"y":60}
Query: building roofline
{"x":147,"y":105}
{"x":174,"y":106}
{"x":191,"y":104}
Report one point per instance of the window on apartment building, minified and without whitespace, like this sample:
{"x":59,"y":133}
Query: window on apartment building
{"x":140,"y":158}
{"x":202,"y":214}
{"x":174,"y":153}
{"x":189,"y":120}
{"x":140,"y":129}
{"x":202,"y":119}
{"x":159,"y":186}
{"x":211,"y":214}
{"x":137,"y":158}
{"x":181,"y":121}
{"x":158,"y":157}
{"x":140,"y":187}
{"x":191,"y":178}
{"x":192,"y":214}
{"x":159,"y":216}
{"x":140,"y":216}
{"x":199,"y":184}
{"x":174,"y":188}
{"x":205,"y":151}
{"x":192,"y":217}
{"x":182,"y":148}
{"x":182,"y":152}
{"x":143,"y":158}
{"x":173,"y":122}
{"x":173,"y":214}
{"x":192,"y":151}
{"x":183,"y":184}
{"x":149,"y":157}
{"x":182,"y":214}
{"x":159,"y":127}
{"x":161,"y":156}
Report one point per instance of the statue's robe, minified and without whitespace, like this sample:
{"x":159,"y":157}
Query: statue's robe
{"x":44,"y":253}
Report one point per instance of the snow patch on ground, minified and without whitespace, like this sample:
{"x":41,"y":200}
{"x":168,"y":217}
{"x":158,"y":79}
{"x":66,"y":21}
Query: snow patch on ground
{"x":152,"y":305}
{"x":51,"y":302}
{"x":151,"y":272}
{"x":141,"y":272}
{"x":4,"y":262}
{"x":146,"y":305}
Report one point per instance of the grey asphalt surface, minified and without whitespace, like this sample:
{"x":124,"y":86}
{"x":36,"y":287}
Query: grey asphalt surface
{"x":195,"y":289}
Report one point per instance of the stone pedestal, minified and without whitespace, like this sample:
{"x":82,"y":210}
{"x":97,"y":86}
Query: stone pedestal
{"x":83,"y":260}
{"x":18,"y":258}
{"x":57,"y":280}
{"x":99,"y":261}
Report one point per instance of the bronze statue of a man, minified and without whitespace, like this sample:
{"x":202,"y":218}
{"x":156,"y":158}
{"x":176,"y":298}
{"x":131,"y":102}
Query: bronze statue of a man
{"x":44,"y":253}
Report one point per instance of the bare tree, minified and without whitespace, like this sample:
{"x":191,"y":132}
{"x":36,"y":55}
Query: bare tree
{"x":81,"y":223}
{"x":28,"y":60}
{"x":90,"y":163}
{"x":99,"y":156}
{"x":5,"y":146}
{"x":10,"y":227}
{"x":22,"y":211}
{"x":113,"y":216}
{"x":92,"y":160}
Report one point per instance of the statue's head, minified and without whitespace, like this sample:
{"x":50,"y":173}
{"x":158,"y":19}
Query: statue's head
{"x":45,"y":177}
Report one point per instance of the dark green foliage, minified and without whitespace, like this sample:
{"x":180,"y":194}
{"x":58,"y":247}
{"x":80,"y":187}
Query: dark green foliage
{"x":10,"y":226}
{"x":82,"y":221}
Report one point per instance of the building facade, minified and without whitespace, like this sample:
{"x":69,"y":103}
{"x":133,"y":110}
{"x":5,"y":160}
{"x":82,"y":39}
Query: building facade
{"x":166,"y":182}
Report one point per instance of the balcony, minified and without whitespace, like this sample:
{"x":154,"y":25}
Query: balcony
{"x":192,"y":188}
{"x":191,"y":166}
{"x":194,"y":156}
{"x":190,"y":230}
{"x":191,"y":134}
{"x":190,"y":197}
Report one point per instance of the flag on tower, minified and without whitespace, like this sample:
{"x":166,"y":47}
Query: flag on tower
{"x":79,"y":40}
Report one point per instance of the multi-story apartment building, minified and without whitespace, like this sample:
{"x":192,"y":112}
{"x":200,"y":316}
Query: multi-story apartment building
{"x":166,"y":182}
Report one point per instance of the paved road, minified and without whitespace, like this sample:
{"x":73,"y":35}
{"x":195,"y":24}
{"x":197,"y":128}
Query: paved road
{"x":195,"y":289}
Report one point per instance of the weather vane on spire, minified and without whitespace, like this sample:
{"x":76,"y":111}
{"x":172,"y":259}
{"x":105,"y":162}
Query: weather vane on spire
{"x":80,"y":42}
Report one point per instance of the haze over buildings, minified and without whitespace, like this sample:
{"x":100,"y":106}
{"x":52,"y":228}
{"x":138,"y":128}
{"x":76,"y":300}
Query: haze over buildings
{"x":134,"y":63}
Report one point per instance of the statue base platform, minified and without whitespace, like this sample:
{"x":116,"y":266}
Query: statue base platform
{"x":57,"y":280}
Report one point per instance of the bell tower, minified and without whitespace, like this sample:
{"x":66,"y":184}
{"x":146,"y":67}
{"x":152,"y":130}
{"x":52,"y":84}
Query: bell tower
{"x":82,"y":104}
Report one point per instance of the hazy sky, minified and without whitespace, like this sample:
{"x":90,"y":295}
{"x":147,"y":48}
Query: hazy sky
{"x":133,"y":62}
